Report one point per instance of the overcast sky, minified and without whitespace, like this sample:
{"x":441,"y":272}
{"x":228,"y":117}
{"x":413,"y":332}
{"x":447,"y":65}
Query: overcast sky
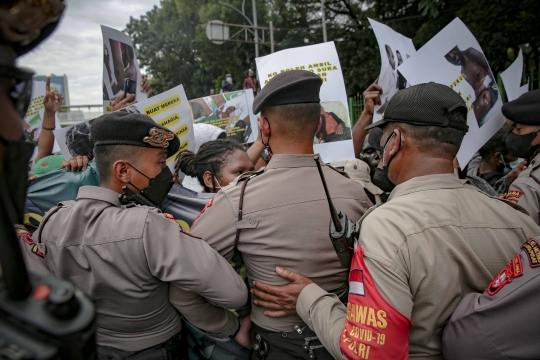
{"x":76,"y":49}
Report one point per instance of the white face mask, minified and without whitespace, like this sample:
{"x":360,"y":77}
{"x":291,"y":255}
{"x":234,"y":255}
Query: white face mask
{"x":229,"y":79}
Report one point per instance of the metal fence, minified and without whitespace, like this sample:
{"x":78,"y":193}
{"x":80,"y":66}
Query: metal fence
{"x":356,"y":106}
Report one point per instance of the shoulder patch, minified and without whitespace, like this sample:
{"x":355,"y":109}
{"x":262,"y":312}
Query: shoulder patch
{"x":209,"y":204}
{"x":168,"y":216}
{"x":513,"y":195}
{"x":532,"y":249}
{"x":512,"y":270}
{"x":25,"y":236}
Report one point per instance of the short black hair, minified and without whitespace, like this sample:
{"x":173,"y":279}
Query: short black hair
{"x":107,"y":155}
{"x":443,"y":142}
{"x":212,"y":156}
{"x":295,"y":120}
{"x":79,"y":141}
{"x":494,"y":145}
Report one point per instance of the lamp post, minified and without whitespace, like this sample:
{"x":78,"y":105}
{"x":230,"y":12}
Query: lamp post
{"x":253,"y":24}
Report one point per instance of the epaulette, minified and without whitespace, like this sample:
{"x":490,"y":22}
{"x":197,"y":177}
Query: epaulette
{"x":342,"y":173}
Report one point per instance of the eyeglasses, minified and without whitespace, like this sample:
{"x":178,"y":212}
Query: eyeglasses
{"x":20,"y":91}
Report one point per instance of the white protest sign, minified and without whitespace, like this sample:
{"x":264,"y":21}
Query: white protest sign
{"x":232,"y":112}
{"x":169,"y":109}
{"x":321,"y":59}
{"x":453,"y":57}
{"x":511,"y":79}
{"x":395,"y":50}
{"x":33,"y":119}
{"x":120,"y":68}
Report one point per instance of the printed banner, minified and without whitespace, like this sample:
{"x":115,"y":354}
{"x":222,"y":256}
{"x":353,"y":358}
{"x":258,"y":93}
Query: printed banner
{"x":120,"y":68}
{"x":395,"y":50}
{"x":454,"y":58}
{"x":33,"y":120}
{"x":232,"y":112}
{"x":511,"y":79}
{"x":169,"y":109}
{"x":333,"y":138}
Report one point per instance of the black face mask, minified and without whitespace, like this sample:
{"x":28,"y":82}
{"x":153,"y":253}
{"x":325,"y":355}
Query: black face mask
{"x":380,"y":178}
{"x":14,"y":177}
{"x":521,"y":145}
{"x":158,"y":188}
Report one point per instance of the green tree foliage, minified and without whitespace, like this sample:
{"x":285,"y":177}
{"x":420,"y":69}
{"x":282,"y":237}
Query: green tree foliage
{"x":172,"y":44}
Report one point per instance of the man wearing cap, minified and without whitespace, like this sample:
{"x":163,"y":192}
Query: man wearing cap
{"x":524,"y":142}
{"x":280,"y":215}
{"x":434,"y":241}
{"x":125,"y":255}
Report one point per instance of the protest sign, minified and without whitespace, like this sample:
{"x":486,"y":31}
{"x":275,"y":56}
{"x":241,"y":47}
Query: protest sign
{"x":169,"y":109}
{"x":33,"y":119}
{"x":395,"y":50}
{"x":454,"y":58}
{"x":511,"y":79}
{"x":120,"y":68}
{"x":232,"y":112}
{"x":333,"y":140}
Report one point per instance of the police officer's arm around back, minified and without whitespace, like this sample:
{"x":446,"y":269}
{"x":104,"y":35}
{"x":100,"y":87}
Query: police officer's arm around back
{"x":125,"y":255}
{"x":435,"y":240}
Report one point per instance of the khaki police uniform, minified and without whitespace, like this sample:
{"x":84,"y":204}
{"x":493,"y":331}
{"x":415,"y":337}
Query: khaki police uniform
{"x":434,"y":241}
{"x":125,"y":259}
{"x":503,"y":322}
{"x":285,"y":222}
{"x":525,"y":190}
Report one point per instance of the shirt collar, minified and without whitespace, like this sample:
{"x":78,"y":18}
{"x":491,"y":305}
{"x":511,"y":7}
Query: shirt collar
{"x":99,"y":193}
{"x":427,"y":182}
{"x":291,"y":161}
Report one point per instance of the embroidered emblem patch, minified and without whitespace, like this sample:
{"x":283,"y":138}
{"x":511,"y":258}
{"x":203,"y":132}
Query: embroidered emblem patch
{"x":512,"y":270}
{"x":513,"y":195}
{"x":24,"y":235}
{"x":356,"y":282}
{"x":159,"y":137}
{"x":532,"y":249}
{"x":168,"y":216}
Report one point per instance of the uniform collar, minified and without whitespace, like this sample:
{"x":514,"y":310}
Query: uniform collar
{"x":291,"y":161}
{"x":99,"y":193}
{"x":535,"y":162}
{"x":427,"y":182}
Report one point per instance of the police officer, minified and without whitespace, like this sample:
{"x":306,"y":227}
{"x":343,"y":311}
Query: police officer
{"x":524,"y":142}
{"x":502,"y":323}
{"x":280,"y":215}
{"x":125,"y":255}
{"x":434,"y":241}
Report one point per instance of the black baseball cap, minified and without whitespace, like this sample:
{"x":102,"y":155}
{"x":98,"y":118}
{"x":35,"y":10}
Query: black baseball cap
{"x":289,"y":87}
{"x":428,"y":104}
{"x":123,"y":128}
{"x":525,"y":109}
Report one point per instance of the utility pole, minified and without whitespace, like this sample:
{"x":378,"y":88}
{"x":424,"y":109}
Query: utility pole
{"x":325,"y":39}
{"x":255,"y":28}
{"x":271,"y":37}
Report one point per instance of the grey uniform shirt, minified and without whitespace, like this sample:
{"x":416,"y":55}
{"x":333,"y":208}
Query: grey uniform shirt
{"x":503,"y":322}
{"x":124,"y":259}
{"x":525,"y":190}
{"x":286,"y":223}
{"x":434,"y":241}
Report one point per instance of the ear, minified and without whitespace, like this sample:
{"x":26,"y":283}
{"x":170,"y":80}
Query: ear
{"x":496,"y":158}
{"x":394,"y":144}
{"x":121,"y":171}
{"x":208,"y":179}
{"x":264,"y":125}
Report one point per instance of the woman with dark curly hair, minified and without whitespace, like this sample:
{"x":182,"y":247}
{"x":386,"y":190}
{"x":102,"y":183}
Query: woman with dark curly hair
{"x":216,"y":164}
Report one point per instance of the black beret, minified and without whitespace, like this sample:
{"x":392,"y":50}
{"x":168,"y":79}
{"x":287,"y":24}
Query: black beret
{"x":289,"y":87}
{"x":123,"y":128}
{"x":428,"y":104}
{"x":525,"y":109}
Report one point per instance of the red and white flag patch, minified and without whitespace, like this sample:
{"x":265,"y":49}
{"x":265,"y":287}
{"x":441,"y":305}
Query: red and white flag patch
{"x":356,"y":282}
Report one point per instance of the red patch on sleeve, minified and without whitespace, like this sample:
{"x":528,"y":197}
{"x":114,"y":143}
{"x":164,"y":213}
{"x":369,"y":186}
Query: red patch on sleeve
{"x":168,"y":216}
{"x":513,"y":195}
{"x":512,"y":270}
{"x":24,"y":235}
{"x":209,"y":204}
